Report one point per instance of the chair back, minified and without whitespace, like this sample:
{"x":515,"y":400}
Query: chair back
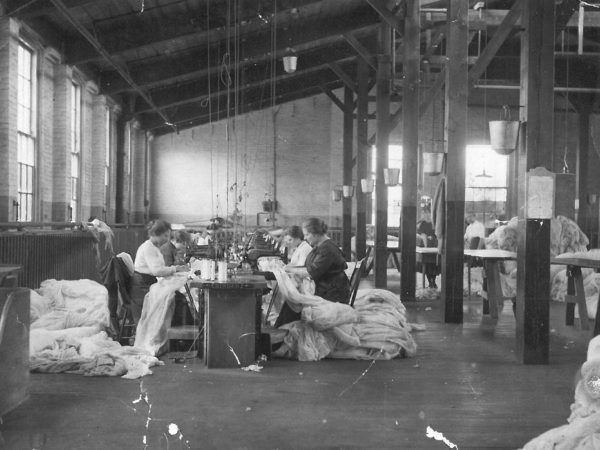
{"x":474,"y":244}
{"x":360,"y":270}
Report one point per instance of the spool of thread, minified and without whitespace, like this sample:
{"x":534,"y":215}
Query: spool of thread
{"x":222,"y":270}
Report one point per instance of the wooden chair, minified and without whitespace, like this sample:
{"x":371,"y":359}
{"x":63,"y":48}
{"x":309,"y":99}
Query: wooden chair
{"x":360,"y":270}
{"x":117,"y":280}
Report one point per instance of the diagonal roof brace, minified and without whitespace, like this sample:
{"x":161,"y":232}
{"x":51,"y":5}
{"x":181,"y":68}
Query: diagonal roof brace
{"x":94,"y":42}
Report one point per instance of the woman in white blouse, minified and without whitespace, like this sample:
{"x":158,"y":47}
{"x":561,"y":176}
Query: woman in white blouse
{"x":298,"y":248}
{"x":150,"y":264}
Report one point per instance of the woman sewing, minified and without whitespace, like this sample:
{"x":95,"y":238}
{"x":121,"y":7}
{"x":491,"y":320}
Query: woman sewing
{"x":325,"y":264}
{"x":298,"y":248}
{"x":150,"y":264}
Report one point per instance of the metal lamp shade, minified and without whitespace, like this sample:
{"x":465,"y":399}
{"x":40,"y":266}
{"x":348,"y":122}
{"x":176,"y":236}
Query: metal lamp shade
{"x":504,"y":135}
{"x":432,"y":163}
{"x":289,"y":63}
{"x":336,"y":194}
{"x":367,"y":185}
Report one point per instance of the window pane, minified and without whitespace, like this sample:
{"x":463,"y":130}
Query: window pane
{"x":30,"y":180}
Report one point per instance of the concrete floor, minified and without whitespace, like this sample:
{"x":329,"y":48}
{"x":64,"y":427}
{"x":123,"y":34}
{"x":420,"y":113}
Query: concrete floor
{"x":465,"y":383}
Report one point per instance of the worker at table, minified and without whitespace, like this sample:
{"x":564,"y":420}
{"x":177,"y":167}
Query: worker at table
{"x":325,"y":264}
{"x":298,"y":248}
{"x":426,"y":238}
{"x":150,"y":264}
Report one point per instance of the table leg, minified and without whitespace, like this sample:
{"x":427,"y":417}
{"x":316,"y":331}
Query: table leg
{"x":597,"y":320}
{"x":495,"y":295}
{"x":574,"y":273}
{"x":396,"y":262}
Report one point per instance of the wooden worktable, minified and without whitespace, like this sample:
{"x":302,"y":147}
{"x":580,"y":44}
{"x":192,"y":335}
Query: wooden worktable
{"x":575,"y":291}
{"x":491,"y":259}
{"x":231,"y":319}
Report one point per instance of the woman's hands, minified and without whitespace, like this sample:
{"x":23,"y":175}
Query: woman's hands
{"x":182,"y":268}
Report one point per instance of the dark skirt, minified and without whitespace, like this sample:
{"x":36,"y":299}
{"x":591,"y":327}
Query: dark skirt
{"x":140,"y":285}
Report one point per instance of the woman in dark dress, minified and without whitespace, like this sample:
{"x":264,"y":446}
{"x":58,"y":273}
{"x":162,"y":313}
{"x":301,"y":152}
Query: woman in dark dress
{"x":426,"y":238}
{"x":325,"y":264}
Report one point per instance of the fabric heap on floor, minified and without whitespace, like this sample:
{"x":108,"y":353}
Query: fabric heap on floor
{"x":376,"y":328}
{"x":68,"y":323}
{"x":582,"y":430}
{"x":566,"y":240}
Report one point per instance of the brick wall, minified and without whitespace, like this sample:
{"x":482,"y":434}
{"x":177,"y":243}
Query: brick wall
{"x":285,"y":152}
{"x":53,"y":159}
{"x":48,"y":63}
{"x":9,"y":31}
{"x":98,"y":155}
{"x":61,"y":156}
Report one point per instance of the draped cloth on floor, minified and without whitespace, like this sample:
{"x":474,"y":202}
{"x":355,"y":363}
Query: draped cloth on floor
{"x":376,"y":328}
{"x":69,"y":319}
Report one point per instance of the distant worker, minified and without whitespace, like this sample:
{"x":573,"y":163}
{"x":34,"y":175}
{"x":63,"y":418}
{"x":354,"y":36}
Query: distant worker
{"x":475,"y":229}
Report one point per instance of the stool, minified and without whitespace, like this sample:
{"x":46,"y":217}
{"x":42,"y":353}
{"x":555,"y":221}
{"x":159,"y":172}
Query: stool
{"x":183,"y":333}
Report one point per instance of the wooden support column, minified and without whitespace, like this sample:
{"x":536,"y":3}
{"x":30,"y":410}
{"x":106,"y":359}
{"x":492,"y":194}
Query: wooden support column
{"x":120,"y":171}
{"x":362,"y":152}
{"x":384,"y":76}
{"x":457,"y":89}
{"x":584,"y":212}
{"x":347,"y":202}
{"x":410,"y":149}
{"x":536,"y":149}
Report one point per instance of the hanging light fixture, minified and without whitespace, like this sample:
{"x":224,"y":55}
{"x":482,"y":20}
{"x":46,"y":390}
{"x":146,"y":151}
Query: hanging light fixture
{"x":336,"y":193}
{"x":504,"y":133}
{"x":289,"y":60}
{"x":347,"y":191}
{"x":367,"y":185}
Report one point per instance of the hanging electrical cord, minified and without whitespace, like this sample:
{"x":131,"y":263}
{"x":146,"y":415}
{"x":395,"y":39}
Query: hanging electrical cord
{"x":565,"y":168}
{"x":209,"y":104}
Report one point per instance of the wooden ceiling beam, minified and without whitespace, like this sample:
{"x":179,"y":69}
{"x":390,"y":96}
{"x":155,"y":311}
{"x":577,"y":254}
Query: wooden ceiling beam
{"x":388,"y":16}
{"x":334,"y":98}
{"x":133,"y":34}
{"x":198,"y":91}
{"x":28,"y":9}
{"x":493,"y":45}
{"x":348,"y":81}
{"x":195,"y":115}
{"x":363,"y":52}
{"x":200,"y":62}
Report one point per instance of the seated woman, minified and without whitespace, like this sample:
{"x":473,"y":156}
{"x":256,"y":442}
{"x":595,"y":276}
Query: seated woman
{"x":174,"y":250}
{"x":149,"y":264}
{"x":298,"y":248}
{"x":325,"y":264}
{"x":426,"y":238}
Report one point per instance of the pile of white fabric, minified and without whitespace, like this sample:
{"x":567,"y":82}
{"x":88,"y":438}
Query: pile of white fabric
{"x":566,"y":240}
{"x":583,"y":428}
{"x":376,"y":328}
{"x":67,"y":334}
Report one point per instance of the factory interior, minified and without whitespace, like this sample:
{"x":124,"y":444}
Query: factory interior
{"x":299,"y":224}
